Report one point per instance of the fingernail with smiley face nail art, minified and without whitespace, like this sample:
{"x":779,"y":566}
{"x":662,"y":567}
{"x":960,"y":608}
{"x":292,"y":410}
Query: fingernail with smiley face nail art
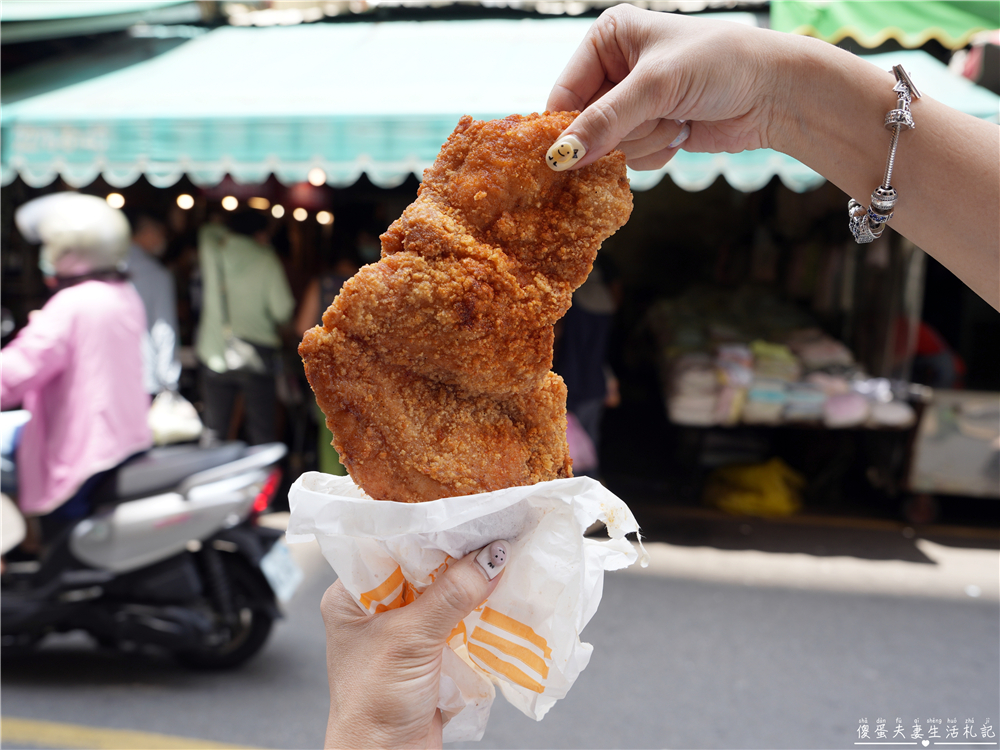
{"x":492,"y":558}
{"x":564,"y":153}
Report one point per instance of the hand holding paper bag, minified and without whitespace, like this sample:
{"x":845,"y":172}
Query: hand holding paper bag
{"x":525,"y":638}
{"x":388,"y":697}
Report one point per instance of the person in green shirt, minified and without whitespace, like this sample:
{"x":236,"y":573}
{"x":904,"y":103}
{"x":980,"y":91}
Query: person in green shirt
{"x":245,"y":295}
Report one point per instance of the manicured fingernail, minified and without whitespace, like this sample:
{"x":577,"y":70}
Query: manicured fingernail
{"x":492,"y":558}
{"x":564,"y":153}
{"x":681,"y":136}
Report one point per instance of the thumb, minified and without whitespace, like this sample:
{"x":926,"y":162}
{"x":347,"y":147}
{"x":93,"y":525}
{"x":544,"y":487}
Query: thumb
{"x":459,"y":590}
{"x":600,"y":127}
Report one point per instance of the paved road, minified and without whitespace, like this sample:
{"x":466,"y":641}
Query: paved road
{"x":770,"y":636}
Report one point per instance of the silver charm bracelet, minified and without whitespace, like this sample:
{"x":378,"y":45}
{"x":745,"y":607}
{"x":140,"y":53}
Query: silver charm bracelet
{"x":867,"y":224}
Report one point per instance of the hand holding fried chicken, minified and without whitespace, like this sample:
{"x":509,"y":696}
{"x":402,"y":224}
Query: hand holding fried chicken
{"x":433,"y":365}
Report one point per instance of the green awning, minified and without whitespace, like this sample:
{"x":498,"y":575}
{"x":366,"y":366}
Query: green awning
{"x":31,"y":20}
{"x":349,"y":98}
{"x":47,"y":10}
{"x":873,"y":22}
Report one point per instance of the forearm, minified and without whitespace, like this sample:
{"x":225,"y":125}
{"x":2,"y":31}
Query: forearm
{"x":947,"y":168}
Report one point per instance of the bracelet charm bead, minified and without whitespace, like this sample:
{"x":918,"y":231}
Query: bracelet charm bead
{"x":861,"y":228}
{"x":867,"y":224}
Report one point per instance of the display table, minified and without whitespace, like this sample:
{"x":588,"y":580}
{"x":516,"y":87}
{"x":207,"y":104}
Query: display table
{"x":957,"y":448}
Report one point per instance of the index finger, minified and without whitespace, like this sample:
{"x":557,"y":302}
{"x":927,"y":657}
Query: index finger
{"x":597,"y":64}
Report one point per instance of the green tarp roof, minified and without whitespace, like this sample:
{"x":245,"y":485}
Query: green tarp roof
{"x":871,"y":22}
{"x":378,"y":98}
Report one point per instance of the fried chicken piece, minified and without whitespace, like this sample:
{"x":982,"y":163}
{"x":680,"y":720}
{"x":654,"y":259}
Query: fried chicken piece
{"x":432,"y":366}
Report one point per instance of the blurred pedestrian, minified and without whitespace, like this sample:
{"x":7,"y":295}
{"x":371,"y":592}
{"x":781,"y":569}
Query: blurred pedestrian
{"x":155,"y":284}
{"x":246,"y":301}
{"x":935,"y":363}
{"x":77,"y":365}
{"x":369,"y":247}
{"x":581,"y":355}
{"x":318,"y":297}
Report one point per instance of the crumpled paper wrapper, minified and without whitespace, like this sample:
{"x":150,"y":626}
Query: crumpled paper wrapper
{"x":525,"y":639}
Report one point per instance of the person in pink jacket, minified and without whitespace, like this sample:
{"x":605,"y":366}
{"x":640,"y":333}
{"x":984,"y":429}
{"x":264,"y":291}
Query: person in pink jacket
{"x":77,"y":365}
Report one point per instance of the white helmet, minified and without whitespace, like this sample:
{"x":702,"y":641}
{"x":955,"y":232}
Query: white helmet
{"x":80,"y":234}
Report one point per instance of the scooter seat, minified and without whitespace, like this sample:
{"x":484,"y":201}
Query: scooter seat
{"x":163,"y":469}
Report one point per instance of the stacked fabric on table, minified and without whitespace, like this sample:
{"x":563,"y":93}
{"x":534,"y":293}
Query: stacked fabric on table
{"x":694,"y":393}
{"x":745,"y":357}
{"x":817,"y":351}
{"x":805,"y":403}
{"x":775,"y":368}
{"x":735,"y":367}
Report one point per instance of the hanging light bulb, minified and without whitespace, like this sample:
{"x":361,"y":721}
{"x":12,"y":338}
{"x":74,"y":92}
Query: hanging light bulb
{"x":316,"y":177}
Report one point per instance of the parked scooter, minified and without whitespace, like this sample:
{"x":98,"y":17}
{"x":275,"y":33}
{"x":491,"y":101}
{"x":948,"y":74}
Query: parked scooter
{"x":177,"y":561}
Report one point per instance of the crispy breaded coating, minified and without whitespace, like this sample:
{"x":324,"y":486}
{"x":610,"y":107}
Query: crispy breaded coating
{"x":432,"y":366}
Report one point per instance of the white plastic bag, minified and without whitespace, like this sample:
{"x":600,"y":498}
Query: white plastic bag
{"x":525,"y":638}
{"x":173,"y":419}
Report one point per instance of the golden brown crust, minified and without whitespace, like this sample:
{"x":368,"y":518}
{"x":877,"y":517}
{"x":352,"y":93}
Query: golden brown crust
{"x":432,"y":365}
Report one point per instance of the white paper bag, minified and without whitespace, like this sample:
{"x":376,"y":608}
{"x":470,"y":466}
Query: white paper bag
{"x":525,"y":639}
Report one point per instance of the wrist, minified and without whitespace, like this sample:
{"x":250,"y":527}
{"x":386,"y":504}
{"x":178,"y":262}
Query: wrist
{"x":793,"y":66}
{"x":352,"y":735}
{"x":828,"y":105}
{"x":363,"y":730}
{"x":353,"y":730}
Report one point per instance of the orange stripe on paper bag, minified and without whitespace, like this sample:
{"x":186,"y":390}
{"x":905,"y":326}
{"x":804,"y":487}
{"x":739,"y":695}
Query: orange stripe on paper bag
{"x":459,"y":630}
{"x":509,"y":671}
{"x":524,"y":655}
{"x":383,"y":590}
{"x":515,"y":627}
{"x":394,"y":604}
